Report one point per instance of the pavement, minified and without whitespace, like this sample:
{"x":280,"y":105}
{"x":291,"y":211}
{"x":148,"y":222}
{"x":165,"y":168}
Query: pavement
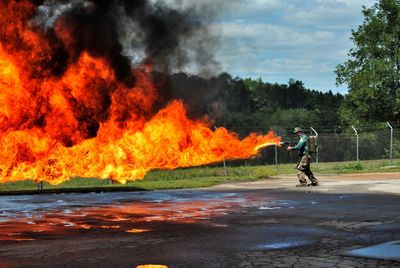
{"x":344,"y":183}
{"x":266,"y":223}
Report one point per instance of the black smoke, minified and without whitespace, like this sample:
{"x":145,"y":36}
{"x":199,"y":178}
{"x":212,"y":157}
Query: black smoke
{"x":169,"y":35}
{"x":126,"y":33}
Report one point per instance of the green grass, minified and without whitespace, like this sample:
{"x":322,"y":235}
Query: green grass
{"x":197,"y":177}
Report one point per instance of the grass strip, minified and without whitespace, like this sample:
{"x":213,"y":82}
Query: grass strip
{"x":195,"y":177}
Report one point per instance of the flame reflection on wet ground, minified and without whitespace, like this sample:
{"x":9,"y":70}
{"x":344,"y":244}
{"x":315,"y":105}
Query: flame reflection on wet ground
{"x":137,"y":231}
{"x":151,"y":266}
{"x":25,"y":218}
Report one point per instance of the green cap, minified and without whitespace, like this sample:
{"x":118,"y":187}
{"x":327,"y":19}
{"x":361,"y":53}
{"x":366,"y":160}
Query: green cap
{"x":297,"y":129}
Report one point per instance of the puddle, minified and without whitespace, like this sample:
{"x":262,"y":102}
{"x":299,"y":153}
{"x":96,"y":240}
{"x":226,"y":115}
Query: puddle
{"x":386,"y":251}
{"x":353,"y":225}
{"x":269,"y":208}
{"x":137,"y":231}
{"x":110,"y":226}
{"x":62,"y":214}
{"x":290,"y":243}
{"x":133,"y":211}
{"x":219,"y":225}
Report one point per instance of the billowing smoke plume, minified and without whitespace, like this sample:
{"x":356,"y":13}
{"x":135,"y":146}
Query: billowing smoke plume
{"x":86,"y":90}
{"x":126,"y":33}
{"x":166,"y":35}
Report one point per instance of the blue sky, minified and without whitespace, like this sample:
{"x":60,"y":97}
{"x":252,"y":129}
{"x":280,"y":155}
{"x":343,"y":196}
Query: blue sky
{"x":281,"y":39}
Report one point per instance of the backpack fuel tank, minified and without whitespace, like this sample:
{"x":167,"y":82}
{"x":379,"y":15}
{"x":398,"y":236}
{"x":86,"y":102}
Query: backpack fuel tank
{"x":312,"y":141}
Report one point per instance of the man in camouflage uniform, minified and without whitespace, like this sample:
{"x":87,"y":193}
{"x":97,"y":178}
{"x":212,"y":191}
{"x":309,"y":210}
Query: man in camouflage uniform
{"x":303,"y":166}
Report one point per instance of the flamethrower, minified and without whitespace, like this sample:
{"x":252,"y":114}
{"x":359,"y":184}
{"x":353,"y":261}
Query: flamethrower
{"x":285,"y":143}
{"x":313,"y":144}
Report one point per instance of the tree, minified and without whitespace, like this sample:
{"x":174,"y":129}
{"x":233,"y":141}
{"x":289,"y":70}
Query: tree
{"x":373,"y":71}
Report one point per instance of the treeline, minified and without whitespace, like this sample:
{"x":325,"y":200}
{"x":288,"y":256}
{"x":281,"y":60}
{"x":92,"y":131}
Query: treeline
{"x":248,"y":105}
{"x":372,"y":75}
{"x":252,"y":105}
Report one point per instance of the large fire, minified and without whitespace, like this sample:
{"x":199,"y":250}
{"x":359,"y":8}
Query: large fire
{"x":84,"y":121}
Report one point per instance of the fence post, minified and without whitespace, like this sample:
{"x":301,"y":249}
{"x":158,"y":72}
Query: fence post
{"x":276,"y":152}
{"x":223,"y":160}
{"x":316,"y":135}
{"x":355,"y":131}
{"x":391,"y":140}
{"x":225,"y":168}
{"x":39,"y":185}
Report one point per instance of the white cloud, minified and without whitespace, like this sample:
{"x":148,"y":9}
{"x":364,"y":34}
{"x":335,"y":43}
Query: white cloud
{"x":261,"y":41}
{"x":281,"y":39}
{"x":278,"y":40}
{"x":243,"y":8}
{"x":327,"y":14}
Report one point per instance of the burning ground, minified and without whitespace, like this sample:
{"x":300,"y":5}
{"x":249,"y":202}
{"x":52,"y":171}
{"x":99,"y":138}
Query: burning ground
{"x":79,"y":96}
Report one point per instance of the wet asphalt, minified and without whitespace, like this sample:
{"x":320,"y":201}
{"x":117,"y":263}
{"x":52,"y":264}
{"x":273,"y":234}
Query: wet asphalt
{"x":219,"y":227}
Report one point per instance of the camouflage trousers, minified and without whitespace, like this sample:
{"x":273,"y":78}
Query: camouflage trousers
{"x":304,"y":171}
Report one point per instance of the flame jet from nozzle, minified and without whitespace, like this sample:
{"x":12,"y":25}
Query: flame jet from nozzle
{"x":73,"y":103}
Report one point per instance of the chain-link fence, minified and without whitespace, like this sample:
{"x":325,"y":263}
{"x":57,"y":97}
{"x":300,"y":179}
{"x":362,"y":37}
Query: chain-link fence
{"x":341,"y":145}
{"x":336,"y":144}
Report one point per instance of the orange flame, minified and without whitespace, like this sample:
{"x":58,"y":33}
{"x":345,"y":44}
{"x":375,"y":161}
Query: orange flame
{"x":47,"y":122}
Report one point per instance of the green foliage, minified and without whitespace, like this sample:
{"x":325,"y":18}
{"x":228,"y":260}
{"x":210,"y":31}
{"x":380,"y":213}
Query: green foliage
{"x":358,"y":166}
{"x":253,"y":105}
{"x":373,"y":71}
{"x":291,"y":117}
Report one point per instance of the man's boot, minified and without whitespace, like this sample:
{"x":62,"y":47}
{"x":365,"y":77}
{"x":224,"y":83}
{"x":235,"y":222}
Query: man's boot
{"x":302,"y":178}
{"x":314,"y":181}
